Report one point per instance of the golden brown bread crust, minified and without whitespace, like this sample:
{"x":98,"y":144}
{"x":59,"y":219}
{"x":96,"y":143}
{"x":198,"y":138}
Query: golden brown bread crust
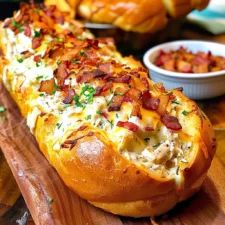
{"x":95,"y":168}
{"x":133,"y":15}
{"x":120,"y":193}
{"x":179,"y":8}
{"x":138,"y":16}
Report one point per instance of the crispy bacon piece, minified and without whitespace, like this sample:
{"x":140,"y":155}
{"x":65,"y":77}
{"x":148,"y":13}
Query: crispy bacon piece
{"x":182,"y":66}
{"x":149,"y":102}
{"x":120,"y":79}
{"x":37,"y":58}
{"x":145,"y":82}
{"x":116,"y":103}
{"x":105,"y":115}
{"x":124,"y":79}
{"x":26,"y":54}
{"x":27,"y":31}
{"x":106,"y":87}
{"x":171,"y":122}
{"x":148,"y":129}
{"x":60,"y":19}
{"x":48,"y":86}
{"x":36,"y":42}
{"x":61,"y":73}
{"x":69,"y":96}
{"x":93,"y":43}
{"x":7,"y":22}
{"x":164,"y":99}
{"x":136,"y":110}
{"x":70,"y":54}
{"x":132,"y":94}
{"x":128,"y":125}
{"x":105,"y":67}
{"x":87,"y":76}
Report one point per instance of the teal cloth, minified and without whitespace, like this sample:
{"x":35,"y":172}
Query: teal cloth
{"x":209,"y":19}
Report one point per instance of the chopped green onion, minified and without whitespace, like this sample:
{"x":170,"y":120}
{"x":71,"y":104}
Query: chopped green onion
{"x":185,"y":113}
{"x":176,"y":102}
{"x":37,"y":33}
{"x":17,"y":26}
{"x":59,"y":125}
{"x":39,"y":77}
{"x":50,"y":200}
{"x":99,"y":112}
{"x":111,"y":123}
{"x":88,"y":117}
{"x":75,"y":61}
{"x":156,"y":145}
{"x":2,"y":109}
{"x":82,"y":52}
{"x":20,"y":60}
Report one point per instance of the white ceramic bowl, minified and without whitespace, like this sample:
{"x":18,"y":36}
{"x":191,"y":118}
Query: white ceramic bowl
{"x":196,"y":86}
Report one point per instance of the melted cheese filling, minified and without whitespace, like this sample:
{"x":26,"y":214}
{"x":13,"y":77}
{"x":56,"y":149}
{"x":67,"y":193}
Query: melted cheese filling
{"x":159,"y":151}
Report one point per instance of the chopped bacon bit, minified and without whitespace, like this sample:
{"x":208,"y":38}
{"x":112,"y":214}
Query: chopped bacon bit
{"x":61,"y":73}
{"x":123,"y":79}
{"x":128,"y":125}
{"x":36,"y":42}
{"x":37,"y":58}
{"x":182,"y":66}
{"x":27,"y":31}
{"x":105,"y":67}
{"x":133,"y":94}
{"x":87,"y":76}
{"x":7,"y":23}
{"x":26,"y":54}
{"x":120,"y":90}
{"x":93,"y":43}
{"x":149,"y":102}
{"x":69,"y":96}
{"x":164,"y":99}
{"x":48,"y":86}
{"x":116,"y":103}
{"x":104,"y":114}
{"x":135,"y":73}
{"x":60,"y":19}
{"x":171,"y":96}
{"x":136,"y":110}
{"x":149,"y":129}
{"x":106,"y":87}
{"x":171,"y":122}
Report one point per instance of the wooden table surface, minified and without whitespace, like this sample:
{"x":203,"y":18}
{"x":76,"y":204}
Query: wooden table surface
{"x":214,"y":108}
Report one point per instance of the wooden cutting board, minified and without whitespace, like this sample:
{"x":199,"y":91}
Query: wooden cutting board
{"x":52,"y":203}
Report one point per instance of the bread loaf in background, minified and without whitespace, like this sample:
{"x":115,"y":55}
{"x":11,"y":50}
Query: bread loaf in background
{"x":131,"y":15}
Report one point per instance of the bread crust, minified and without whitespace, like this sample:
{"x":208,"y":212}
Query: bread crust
{"x":138,"y":16}
{"x":179,"y":8}
{"x":94,"y":166}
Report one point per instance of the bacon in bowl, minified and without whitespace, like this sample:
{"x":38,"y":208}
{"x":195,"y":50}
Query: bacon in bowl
{"x":197,"y":66}
{"x":186,"y":61}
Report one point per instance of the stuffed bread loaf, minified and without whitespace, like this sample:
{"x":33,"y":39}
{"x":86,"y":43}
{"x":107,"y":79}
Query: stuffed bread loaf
{"x":117,"y":139}
{"x":131,"y":15}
